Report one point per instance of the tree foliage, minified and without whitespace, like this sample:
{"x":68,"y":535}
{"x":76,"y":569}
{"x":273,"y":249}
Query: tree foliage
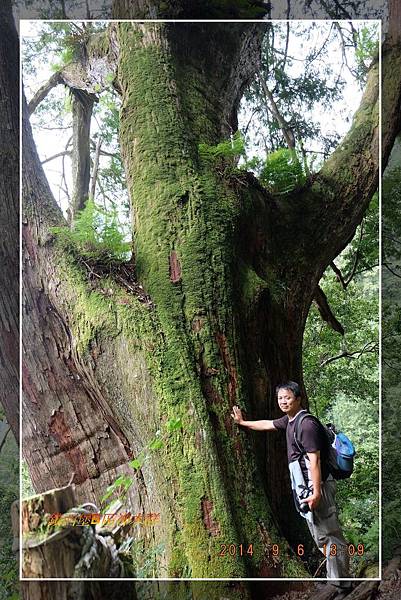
{"x":342,"y":375}
{"x":96,"y":235}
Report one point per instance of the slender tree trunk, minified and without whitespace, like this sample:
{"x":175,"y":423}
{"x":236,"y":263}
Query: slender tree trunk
{"x":95,"y":169}
{"x":82,"y":108}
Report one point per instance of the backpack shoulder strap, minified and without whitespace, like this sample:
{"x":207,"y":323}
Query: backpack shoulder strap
{"x":297,"y":427}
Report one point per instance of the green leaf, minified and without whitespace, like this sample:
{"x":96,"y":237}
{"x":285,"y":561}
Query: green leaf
{"x":136,"y":463}
{"x":156,"y":444}
{"x":127,"y":482}
{"x":107,"y":495}
{"x":173,"y":424}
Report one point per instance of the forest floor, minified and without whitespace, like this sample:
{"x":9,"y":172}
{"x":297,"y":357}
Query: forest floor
{"x":389,"y":588}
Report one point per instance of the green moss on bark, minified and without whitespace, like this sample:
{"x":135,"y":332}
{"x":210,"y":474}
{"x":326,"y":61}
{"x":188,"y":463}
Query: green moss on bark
{"x":185,"y":222}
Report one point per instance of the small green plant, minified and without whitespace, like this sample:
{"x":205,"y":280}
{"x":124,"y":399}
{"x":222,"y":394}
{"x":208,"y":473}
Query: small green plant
{"x":141,"y":559}
{"x":119,"y":488}
{"x":254,"y":164}
{"x":282,"y":171}
{"x":367,"y":48}
{"x":67,"y":56}
{"x":96,"y":235}
{"x":232,"y":148}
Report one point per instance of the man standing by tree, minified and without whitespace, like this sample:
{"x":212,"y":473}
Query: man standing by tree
{"x":313,"y":486}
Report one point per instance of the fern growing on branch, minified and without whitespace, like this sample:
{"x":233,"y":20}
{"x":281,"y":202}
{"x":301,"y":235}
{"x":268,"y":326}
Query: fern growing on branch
{"x":96,"y":235}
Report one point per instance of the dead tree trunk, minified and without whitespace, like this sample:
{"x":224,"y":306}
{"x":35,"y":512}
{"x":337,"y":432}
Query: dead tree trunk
{"x":82,"y":107}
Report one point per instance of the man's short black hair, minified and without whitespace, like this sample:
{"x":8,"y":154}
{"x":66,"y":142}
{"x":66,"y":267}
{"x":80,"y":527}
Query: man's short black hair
{"x":289,"y":385}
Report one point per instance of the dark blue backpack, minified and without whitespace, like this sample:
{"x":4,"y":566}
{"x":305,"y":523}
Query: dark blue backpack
{"x":340,"y":450}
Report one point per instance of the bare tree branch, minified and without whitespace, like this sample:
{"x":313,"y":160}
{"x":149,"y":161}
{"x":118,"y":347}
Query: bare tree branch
{"x":95,"y":167}
{"x":356,"y":259}
{"x":391,"y":270}
{"x":367,"y":349}
{"x":4,"y":431}
{"x":103,"y":152}
{"x":63,"y":178}
{"x":284,"y":60}
{"x":343,"y":46}
{"x":58,"y":155}
{"x":287,"y":131}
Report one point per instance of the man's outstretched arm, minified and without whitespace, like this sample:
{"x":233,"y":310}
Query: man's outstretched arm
{"x":263,"y":425}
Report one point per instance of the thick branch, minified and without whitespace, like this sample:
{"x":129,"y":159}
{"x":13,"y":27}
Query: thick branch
{"x":42,"y":208}
{"x":353,"y":166}
{"x":43,"y":91}
{"x":391,"y":97}
{"x":325,"y":311}
{"x":223,"y":74}
{"x":334,"y":205}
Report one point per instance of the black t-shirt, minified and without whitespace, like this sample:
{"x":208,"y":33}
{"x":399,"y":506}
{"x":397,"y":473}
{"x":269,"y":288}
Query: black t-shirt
{"x":311,"y":438}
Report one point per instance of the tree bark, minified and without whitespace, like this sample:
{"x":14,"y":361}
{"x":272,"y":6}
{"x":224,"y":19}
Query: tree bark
{"x":9,"y":211}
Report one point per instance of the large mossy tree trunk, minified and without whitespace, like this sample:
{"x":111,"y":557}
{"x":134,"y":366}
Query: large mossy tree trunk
{"x":229,"y":273}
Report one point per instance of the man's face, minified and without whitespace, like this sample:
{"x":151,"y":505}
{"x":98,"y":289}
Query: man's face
{"x":288,"y":403}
